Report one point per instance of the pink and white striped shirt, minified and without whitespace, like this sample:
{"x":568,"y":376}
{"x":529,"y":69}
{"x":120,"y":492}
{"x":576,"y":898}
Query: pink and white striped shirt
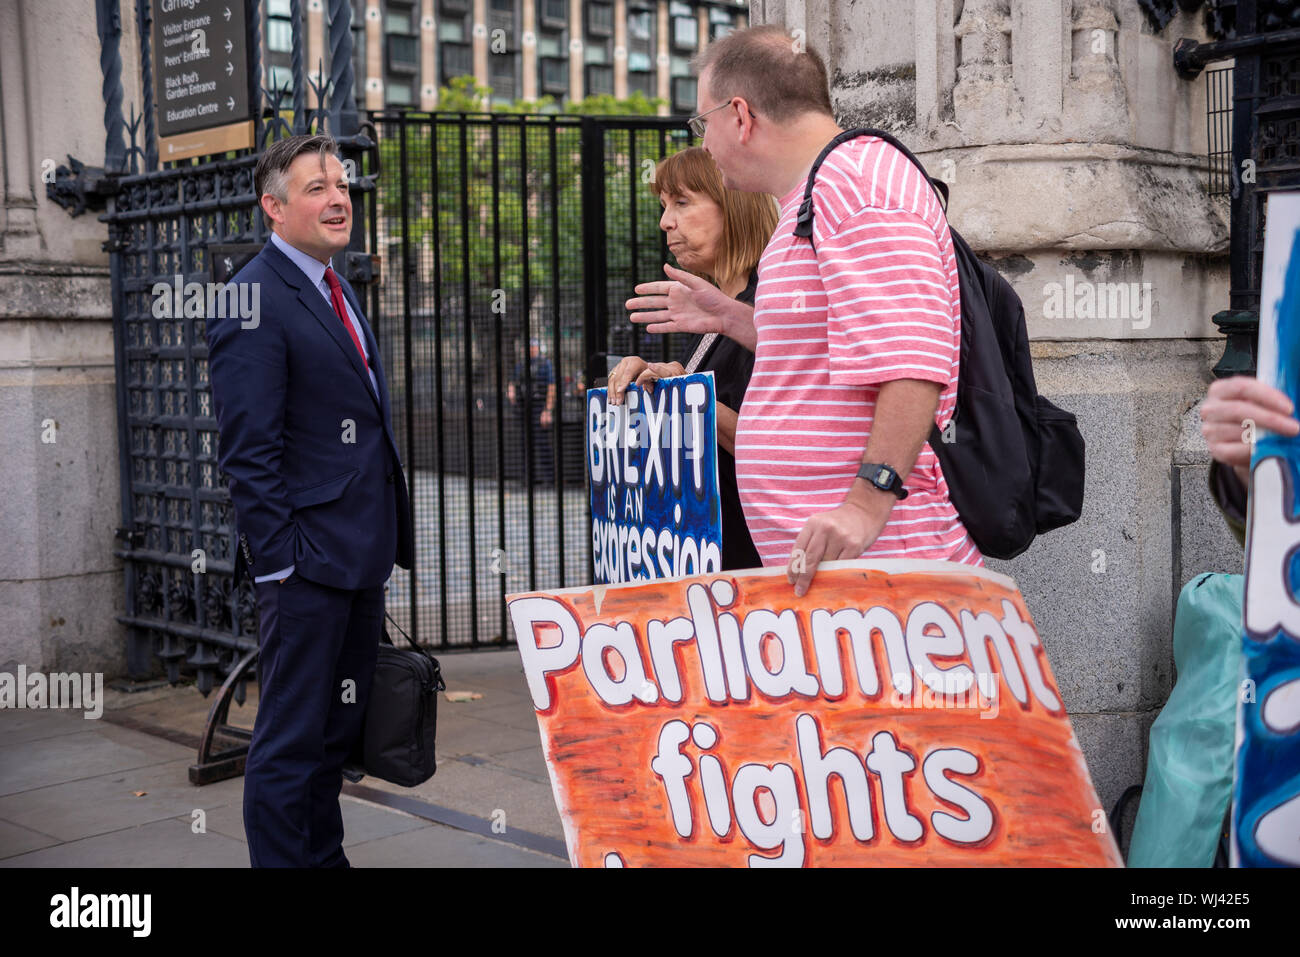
{"x":877,"y":300}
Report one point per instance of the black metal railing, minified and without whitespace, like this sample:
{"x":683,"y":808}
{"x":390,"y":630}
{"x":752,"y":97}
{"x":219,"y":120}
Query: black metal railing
{"x":1263,"y":42}
{"x":508,"y":245}
{"x":1218,"y":130}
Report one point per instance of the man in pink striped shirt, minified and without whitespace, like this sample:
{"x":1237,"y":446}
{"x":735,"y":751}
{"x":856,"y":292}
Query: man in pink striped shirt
{"x":856,"y":336}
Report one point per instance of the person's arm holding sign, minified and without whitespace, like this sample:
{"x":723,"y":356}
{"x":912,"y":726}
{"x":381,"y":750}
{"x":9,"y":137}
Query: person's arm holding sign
{"x":688,"y":303}
{"x":1235,"y":409}
{"x":904,"y":413}
{"x":633,"y":370}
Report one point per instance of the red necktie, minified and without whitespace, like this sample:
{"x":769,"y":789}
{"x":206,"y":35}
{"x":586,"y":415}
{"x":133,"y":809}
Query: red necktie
{"x":336,"y":297}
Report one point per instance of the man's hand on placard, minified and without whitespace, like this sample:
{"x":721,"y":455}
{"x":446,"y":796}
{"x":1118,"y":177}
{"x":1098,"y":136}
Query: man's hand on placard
{"x":838,"y":534}
{"x":684,"y":302}
{"x":1235,"y":409}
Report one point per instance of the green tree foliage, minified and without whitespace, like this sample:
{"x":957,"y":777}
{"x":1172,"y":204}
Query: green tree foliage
{"x":479,"y":203}
{"x":493,"y":227}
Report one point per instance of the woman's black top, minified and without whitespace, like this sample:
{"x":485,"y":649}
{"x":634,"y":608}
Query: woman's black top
{"x":731,"y":365}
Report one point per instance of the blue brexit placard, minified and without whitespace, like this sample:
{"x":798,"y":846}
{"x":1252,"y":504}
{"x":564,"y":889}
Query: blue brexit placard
{"x":652,"y":462}
{"x":1266,"y":788}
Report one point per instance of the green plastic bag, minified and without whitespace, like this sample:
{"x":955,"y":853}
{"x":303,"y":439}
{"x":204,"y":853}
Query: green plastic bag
{"x":1189,"y":762}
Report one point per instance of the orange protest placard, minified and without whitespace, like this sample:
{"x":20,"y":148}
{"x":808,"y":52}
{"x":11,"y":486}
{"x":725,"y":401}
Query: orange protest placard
{"x":901,"y":713}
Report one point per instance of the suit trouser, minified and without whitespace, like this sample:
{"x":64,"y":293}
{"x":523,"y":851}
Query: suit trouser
{"x":317,"y":658}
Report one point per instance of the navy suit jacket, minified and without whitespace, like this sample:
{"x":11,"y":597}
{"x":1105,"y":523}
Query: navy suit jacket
{"x":314,"y":471}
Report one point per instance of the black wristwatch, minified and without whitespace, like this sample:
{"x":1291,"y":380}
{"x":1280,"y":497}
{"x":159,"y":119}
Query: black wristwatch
{"x":883,"y":478}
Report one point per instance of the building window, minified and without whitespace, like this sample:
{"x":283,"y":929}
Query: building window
{"x":686,"y":33}
{"x":279,"y":27}
{"x":679,"y":66}
{"x":280,"y":77}
{"x":504,"y":6}
{"x":677,"y":9}
{"x":397,"y":93}
{"x":501,"y":77}
{"x":279,"y":35}
{"x":457,"y":60}
{"x":555,"y":13}
{"x":684,"y":94}
{"x":721,"y":22}
{"x":600,"y":79}
{"x":595,"y":53}
{"x":637,"y":61}
{"x":399,"y":19}
{"x":640,"y":25}
{"x":451,"y":31}
{"x":403,"y":53}
{"x":600,"y":19}
{"x":555,"y":76}
{"x":550,"y":44}
{"x":457,"y":6}
{"x":644,"y":83}
{"x":503,"y":20}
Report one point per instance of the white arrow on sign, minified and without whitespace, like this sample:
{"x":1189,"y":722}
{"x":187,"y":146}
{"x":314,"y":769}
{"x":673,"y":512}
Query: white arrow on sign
{"x":227,"y":13}
{"x":230,"y":102}
{"x":229,"y":69}
{"x":229,"y":46}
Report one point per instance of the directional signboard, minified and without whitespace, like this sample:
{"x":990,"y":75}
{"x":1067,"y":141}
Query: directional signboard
{"x":201,"y":78}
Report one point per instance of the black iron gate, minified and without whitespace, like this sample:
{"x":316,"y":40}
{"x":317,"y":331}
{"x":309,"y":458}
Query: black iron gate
{"x":1262,"y":38}
{"x":508,"y":244}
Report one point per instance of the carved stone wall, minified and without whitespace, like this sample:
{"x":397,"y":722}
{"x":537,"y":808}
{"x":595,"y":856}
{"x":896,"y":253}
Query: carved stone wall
{"x":60,"y":584}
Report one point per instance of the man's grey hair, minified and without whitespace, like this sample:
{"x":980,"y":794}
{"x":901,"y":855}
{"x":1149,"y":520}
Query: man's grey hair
{"x":272,"y":172}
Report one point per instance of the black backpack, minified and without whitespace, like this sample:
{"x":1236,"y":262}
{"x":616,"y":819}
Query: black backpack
{"x":1013,"y":460}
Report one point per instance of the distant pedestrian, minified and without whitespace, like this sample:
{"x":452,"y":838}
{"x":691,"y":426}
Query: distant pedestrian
{"x":532,"y":395}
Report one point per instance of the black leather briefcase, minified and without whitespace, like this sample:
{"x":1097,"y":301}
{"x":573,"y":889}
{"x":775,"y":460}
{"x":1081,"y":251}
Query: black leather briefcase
{"x":397,"y":741}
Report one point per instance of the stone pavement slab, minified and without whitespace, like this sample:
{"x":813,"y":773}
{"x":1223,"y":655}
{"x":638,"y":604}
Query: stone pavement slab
{"x":116,"y":791}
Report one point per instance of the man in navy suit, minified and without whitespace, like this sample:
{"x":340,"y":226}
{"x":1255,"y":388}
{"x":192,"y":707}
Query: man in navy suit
{"x":320,"y":501}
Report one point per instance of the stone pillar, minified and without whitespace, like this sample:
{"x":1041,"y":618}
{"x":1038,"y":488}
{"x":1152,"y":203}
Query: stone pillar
{"x":374,"y":56}
{"x":1076,"y":160}
{"x":480,"y":34}
{"x":620,"y":49}
{"x":663,"y":62}
{"x":317,"y":72}
{"x":429,"y":80}
{"x":577,"y":88}
{"x":528,"y":54}
{"x":60,"y":584}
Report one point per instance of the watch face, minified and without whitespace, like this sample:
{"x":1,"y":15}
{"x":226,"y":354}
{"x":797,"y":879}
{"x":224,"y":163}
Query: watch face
{"x":882,"y":478}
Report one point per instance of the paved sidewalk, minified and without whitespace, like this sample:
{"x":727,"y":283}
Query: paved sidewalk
{"x":116,"y":791}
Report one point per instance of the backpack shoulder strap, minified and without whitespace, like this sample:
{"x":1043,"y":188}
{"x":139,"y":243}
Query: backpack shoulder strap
{"x":804,"y":225}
